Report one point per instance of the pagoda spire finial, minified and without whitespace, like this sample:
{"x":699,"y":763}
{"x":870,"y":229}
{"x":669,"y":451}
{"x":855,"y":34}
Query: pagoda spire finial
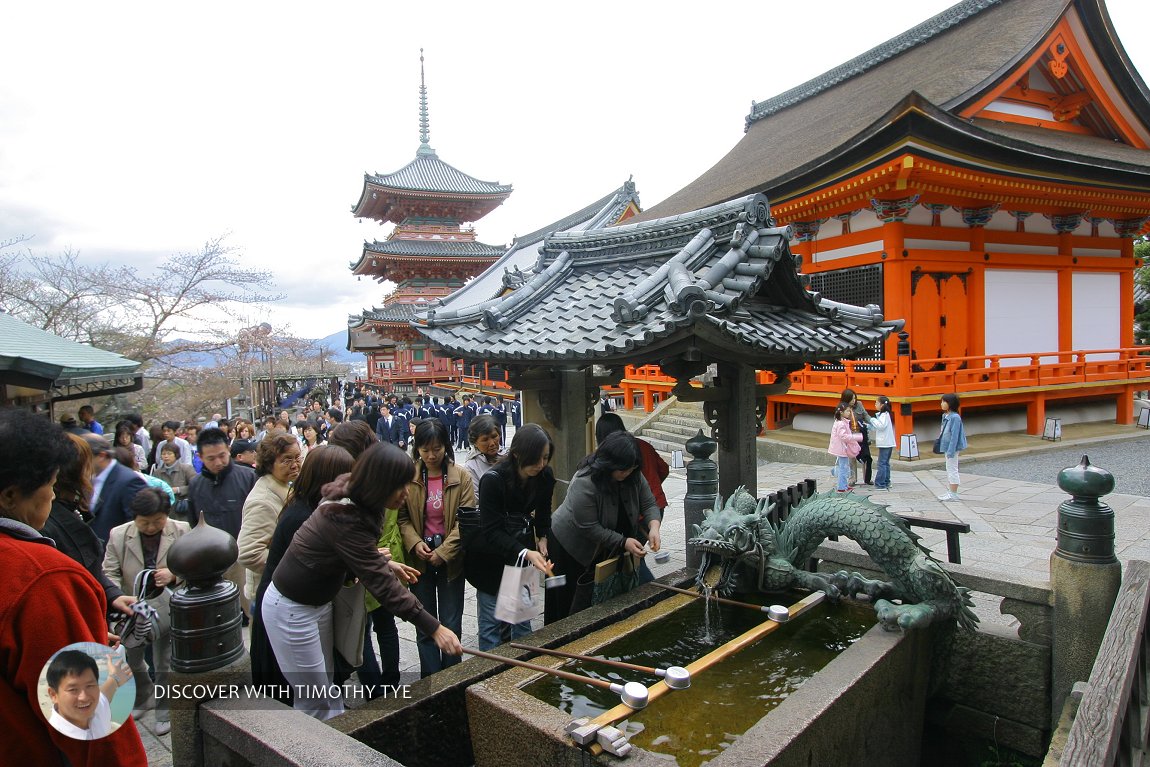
{"x":424,"y":120}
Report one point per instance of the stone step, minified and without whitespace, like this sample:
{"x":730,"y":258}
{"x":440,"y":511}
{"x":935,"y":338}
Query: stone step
{"x":663,"y":446}
{"x":682,"y":420}
{"x":667,"y":436}
{"x":676,"y":429}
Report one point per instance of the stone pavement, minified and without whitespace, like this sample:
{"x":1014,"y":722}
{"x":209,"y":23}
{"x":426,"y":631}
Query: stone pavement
{"x":1012,"y":526}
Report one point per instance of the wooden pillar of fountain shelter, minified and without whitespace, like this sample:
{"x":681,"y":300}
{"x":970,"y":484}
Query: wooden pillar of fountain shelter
{"x":562,"y":401}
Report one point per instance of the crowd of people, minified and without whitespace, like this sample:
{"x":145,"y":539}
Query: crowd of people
{"x":320,"y":502}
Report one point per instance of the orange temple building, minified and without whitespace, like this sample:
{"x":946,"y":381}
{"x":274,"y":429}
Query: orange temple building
{"x":429,"y":254}
{"x":983,"y":176}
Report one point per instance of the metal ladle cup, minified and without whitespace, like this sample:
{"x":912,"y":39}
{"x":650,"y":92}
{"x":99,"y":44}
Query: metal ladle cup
{"x":632,"y":694}
{"x":554,"y":581}
{"x":675,"y":677}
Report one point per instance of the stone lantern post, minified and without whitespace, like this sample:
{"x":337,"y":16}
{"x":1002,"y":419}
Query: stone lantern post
{"x":207,"y":637}
{"x":1085,"y":576}
{"x":702,"y":487}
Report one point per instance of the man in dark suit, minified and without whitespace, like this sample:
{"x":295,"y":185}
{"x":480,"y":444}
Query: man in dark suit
{"x":391,"y":428}
{"x":113,"y":488}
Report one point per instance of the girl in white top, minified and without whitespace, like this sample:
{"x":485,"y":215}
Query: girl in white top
{"x":884,"y":439}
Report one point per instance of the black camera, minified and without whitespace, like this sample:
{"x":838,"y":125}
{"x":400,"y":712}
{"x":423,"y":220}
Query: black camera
{"x":433,"y":541}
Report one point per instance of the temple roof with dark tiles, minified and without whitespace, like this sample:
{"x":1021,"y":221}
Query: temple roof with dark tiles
{"x":427,"y":173}
{"x":722,"y":278}
{"x":524,"y":250}
{"x":395,"y":312}
{"x":432,"y":247}
{"x":947,"y":62}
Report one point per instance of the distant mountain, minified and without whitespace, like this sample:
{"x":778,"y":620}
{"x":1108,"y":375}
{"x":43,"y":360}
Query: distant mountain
{"x":336,"y":345}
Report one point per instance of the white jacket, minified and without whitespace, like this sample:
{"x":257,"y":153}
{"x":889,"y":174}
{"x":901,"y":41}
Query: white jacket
{"x":883,"y":430}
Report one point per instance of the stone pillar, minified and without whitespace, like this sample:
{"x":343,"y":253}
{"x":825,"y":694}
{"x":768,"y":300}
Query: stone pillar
{"x":702,"y":488}
{"x":573,"y":438}
{"x":1084,"y":576}
{"x":208,"y":651}
{"x":737,"y":425}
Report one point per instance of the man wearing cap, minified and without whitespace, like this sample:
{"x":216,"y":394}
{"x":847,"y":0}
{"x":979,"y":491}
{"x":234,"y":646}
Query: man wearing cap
{"x":244,"y":452}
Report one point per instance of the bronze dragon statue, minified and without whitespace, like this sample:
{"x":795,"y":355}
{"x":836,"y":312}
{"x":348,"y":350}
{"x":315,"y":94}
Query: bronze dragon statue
{"x":757,"y":555}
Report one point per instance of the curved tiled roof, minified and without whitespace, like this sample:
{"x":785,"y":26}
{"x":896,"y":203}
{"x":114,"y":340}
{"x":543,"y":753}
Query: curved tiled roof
{"x":427,"y":173}
{"x":524,"y":251}
{"x":31,"y":357}
{"x":946,"y":61}
{"x":443,"y":248}
{"x":397,"y":312}
{"x":722,"y":275}
{"x":914,"y":36}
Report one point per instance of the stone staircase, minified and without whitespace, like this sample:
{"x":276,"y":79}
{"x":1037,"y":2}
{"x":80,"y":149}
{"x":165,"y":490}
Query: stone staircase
{"x":674,"y":426}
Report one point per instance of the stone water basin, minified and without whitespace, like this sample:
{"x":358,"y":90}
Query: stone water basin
{"x":695,"y":725}
{"x":862,"y":701}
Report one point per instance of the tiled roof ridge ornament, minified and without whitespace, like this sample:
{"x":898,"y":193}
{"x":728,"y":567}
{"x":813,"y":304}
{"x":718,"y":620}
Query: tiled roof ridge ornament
{"x":633,"y":305}
{"x":867,"y":316}
{"x":514,"y":278}
{"x":425,"y":149}
{"x":499,"y":316}
{"x":695,"y":297}
{"x":684,"y":294}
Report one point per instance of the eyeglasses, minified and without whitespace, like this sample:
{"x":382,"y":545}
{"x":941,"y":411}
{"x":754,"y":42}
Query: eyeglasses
{"x":288,"y":460}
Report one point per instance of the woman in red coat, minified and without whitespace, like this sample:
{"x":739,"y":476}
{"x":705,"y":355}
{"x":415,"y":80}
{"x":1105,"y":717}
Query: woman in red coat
{"x":47,"y":601}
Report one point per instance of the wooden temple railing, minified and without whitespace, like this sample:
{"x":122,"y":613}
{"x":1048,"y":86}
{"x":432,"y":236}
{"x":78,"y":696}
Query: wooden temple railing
{"x":904,"y":377}
{"x":409,"y":370}
{"x":647,"y":383}
{"x":1112,"y":726}
{"x":909,"y":378}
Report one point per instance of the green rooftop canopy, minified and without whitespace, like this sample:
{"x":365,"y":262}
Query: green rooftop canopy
{"x":36,"y":366}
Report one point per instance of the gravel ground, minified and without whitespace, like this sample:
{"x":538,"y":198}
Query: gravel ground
{"x":1125,"y":459}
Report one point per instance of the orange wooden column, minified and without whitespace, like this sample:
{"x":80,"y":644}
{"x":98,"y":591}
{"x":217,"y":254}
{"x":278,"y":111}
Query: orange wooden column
{"x":1066,"y":312}
{"x":1126,"y":295}
{"x":1036,"y":414}
{"x":896,"y":279}
{"x":976,"y":311}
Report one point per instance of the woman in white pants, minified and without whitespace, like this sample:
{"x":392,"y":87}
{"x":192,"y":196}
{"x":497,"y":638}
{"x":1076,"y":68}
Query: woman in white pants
{"x":951,"y":441}
{"x":338,"y":539}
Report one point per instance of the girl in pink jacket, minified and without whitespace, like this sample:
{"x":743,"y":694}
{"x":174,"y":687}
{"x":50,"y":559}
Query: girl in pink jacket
{"x":845,"y":445}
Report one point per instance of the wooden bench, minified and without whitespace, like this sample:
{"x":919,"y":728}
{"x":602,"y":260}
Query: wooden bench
{"x":953,"y":529}
{"x":781,"y":501}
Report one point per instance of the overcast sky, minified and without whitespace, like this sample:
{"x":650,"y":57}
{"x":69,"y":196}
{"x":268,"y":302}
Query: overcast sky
{"x":132,"y":130}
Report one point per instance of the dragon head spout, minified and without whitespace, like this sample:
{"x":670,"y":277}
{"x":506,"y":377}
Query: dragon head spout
{"x":737,"y":530}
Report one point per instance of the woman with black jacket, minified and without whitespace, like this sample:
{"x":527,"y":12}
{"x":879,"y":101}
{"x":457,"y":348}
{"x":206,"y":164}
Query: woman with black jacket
{"x":515,"y":517}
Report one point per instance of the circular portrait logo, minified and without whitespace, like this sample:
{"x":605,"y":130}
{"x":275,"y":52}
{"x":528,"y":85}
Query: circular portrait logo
{"x":86,"y":690}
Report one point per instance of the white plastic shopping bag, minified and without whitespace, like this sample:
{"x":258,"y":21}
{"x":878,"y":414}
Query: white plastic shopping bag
{"x":520,"y":593}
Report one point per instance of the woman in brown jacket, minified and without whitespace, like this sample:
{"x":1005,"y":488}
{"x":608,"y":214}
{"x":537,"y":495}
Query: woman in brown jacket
{"x":338,"y":539}
{"x":430,"y":532}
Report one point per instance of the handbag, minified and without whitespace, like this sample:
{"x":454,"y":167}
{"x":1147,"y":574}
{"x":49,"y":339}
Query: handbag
{"x":613,"y":577}
{"x":937,"y":448}
{"x":469,"y":525}
{"x":143,"y":626}
{"x":520,"y":595}
{"x":349,"y":618}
